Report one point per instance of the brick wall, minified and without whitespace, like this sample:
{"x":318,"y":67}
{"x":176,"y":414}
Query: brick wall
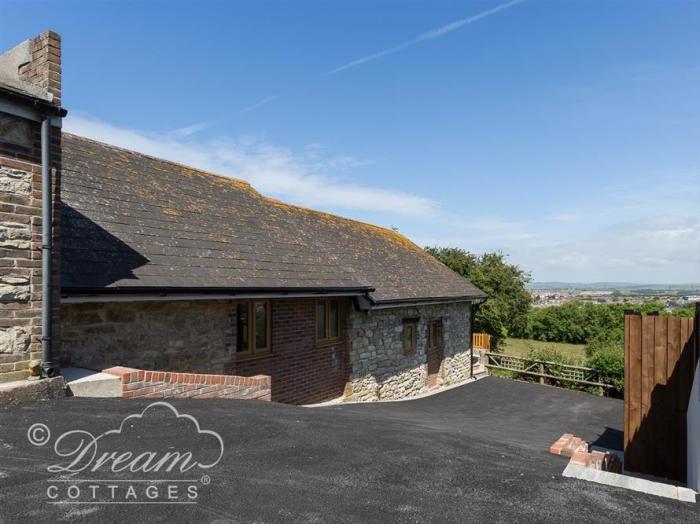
{"x":302,"y":371}
{"x":139,"y":383}
{"x":20,"y":220}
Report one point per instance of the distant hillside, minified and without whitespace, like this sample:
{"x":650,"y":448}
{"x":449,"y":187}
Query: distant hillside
{"x":612,"y":286}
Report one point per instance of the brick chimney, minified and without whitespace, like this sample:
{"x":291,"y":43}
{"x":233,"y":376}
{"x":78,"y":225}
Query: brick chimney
{"x":34,"y":67}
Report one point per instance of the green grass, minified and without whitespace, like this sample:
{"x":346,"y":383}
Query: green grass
{"x":521,"y":347}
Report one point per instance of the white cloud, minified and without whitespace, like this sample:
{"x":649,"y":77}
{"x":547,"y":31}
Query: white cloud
{"x":307,"y":178}
{"x":630,"y":232}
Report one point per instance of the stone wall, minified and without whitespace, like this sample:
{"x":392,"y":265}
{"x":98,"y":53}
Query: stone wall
{"x":181,"y":336}
{"x":379,"y":367}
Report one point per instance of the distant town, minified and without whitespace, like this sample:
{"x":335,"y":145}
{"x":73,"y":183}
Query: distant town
{"x":556,"y":293}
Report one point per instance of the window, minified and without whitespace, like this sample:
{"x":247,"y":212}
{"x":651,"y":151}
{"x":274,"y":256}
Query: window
{"x":327,"y":320}
{"x":434,"y":335}
{"x":253,"y":327}
{"x":409,"y":334}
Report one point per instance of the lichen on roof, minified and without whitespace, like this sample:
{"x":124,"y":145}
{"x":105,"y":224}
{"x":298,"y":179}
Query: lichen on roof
{"x":130,"y":219}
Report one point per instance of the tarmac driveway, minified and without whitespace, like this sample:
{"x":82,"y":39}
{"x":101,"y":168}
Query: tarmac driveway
{"x":474,"y":453}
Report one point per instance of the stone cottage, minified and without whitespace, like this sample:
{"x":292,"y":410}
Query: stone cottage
{"x":165,"y":267}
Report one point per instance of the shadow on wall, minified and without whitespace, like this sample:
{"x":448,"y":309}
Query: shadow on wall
{"x":659,"y":445}
{"x":91,"y":257}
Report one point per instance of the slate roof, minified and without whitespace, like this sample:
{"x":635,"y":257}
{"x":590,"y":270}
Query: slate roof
{"x":131,"y":221}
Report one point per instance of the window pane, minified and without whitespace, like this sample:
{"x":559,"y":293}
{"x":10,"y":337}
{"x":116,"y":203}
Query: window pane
{"x":242,"y":327}
{"x":260,"y":325}
{"x":333,"y":320}
{"x":320,"y":320}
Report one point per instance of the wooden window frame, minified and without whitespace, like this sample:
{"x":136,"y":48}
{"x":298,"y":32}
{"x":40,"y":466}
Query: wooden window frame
{"x":252,"y":351}
{"x":436,"y":325}
{"x":328,"y":339}
{"x":413,"y":323}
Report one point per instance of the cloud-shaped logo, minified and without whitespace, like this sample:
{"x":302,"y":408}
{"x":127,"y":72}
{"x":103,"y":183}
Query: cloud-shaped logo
{"x":159,"y":439}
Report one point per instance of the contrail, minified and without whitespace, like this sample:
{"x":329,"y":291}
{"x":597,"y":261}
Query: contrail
{"x":430,"y":35}
{"x":258,"y":104}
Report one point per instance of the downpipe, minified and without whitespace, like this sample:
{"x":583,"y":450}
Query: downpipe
{"x":48,"y":367}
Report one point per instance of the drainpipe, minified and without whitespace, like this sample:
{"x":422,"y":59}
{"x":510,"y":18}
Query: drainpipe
{"x":47,"y":364}
{"x":471,"y":339}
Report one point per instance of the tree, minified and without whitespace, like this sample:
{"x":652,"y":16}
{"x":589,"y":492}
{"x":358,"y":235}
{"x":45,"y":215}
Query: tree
{"x":505,"y":313}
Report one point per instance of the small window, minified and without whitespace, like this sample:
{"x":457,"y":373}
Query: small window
{"x":261,"y":325}
{"x":253,"y":327}
{"x":327,"y":320}
{"x":410,"y":330}
{"x":434,"y":335}
{"x":242,"y":328}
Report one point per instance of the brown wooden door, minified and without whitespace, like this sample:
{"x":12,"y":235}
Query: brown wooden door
{"x":435,"y":352}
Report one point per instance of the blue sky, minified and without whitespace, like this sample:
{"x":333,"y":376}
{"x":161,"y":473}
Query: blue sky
{"x":566,"y":134}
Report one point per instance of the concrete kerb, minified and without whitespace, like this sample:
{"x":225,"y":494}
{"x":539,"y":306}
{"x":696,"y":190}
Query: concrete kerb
{"x":643,"y":485}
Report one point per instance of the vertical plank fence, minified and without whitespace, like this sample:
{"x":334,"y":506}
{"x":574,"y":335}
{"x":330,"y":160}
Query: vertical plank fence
{"x":660,"y":358}
{"x":481,"y":341}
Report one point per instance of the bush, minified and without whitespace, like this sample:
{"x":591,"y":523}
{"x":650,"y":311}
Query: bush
{"x":549,"y":354}
{"x":610,"y":361}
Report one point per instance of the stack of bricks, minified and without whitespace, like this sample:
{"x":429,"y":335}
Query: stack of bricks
{"x":139,"y":383}
{"x":577,"y":449}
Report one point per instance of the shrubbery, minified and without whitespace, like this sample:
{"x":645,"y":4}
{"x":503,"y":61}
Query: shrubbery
{"x":610,"y":361}
{"x":600,"y":327}
{"x":581,"y":322}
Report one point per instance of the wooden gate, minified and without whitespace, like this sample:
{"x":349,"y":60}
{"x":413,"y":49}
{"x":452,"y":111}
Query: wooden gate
{"x":660,"y":358}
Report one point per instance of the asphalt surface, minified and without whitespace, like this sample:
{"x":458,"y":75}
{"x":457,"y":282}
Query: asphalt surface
{"x":474,"y":453}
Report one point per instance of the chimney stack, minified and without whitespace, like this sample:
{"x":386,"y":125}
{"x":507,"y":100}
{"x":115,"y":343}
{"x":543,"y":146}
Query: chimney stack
{"x":34,"y":67}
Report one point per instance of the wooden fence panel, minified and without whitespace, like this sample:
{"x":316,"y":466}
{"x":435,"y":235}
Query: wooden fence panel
{"x":481,"y":341}
{"x":660,"y":358}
